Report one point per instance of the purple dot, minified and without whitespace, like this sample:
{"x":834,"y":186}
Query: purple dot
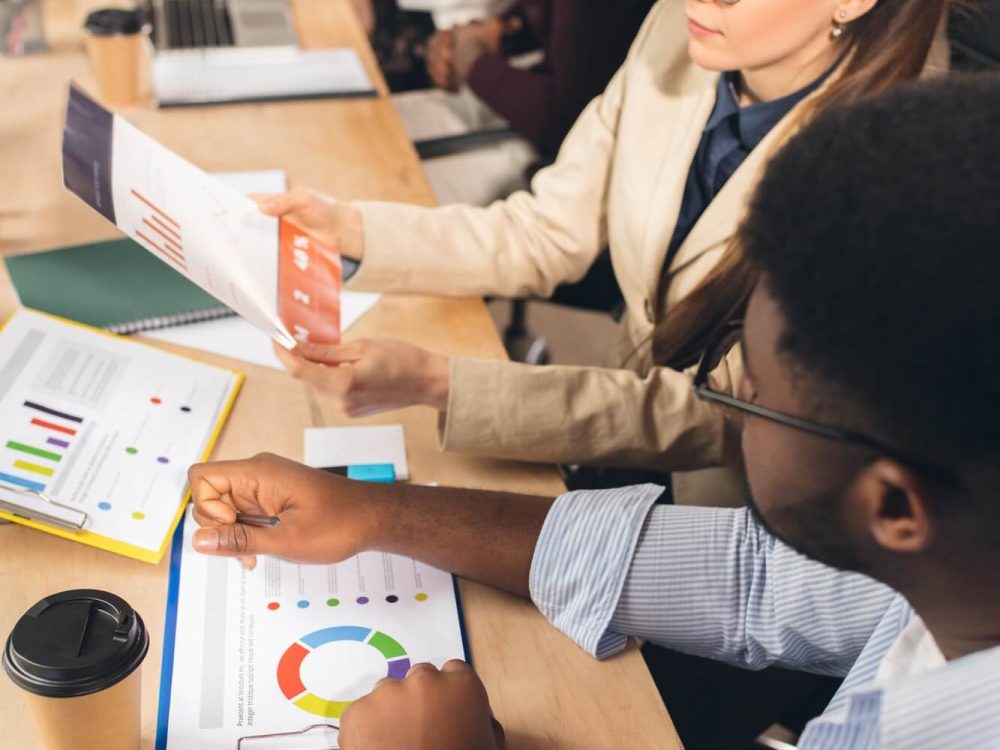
{"x":362,"y":600}
{"x":163,"y":460}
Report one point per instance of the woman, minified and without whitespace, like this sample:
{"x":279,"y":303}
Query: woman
{"x":658,"y":168}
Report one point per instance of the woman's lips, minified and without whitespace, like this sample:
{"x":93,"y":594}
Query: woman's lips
{"x":697,"y":29}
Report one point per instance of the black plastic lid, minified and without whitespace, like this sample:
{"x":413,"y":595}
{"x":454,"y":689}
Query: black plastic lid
{"x":75,"y":643}
{"x":112,"y":21}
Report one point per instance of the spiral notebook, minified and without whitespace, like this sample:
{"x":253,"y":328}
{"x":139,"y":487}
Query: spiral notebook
{"x":115,"y":285}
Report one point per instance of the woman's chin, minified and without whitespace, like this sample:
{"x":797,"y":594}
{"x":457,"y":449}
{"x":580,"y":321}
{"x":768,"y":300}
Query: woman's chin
{"x":705,"y":53}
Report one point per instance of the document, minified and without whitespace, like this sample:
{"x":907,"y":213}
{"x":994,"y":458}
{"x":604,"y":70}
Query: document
{"x":235,"y":337}
{"x":266,"y":270}
{"x":290,"y":646}
{"x":105,"y":428}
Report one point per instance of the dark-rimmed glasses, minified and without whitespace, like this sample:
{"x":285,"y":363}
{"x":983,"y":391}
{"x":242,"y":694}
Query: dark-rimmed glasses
{"x":729,"y":336}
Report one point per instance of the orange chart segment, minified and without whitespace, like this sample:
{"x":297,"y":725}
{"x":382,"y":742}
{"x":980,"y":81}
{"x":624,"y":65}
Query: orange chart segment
{"x":289,"y":669}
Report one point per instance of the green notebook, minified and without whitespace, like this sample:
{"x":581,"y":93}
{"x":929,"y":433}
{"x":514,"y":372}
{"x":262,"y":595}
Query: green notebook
{"x":116,"y":285}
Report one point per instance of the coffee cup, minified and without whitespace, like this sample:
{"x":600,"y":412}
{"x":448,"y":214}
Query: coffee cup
{"x":118,"y":49}
{"x":77,"y":656}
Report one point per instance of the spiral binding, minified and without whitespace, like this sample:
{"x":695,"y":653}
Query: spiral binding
{"x":170,"y":321}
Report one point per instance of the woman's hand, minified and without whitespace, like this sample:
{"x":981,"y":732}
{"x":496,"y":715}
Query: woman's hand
{"x":324,"y":518}
{"x":372,"y":375}
{"x":335,"y":223}
{"x":428,"y":710}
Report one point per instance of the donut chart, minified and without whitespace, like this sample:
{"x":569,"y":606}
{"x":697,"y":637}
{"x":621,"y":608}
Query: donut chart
{"x":290,"y":665}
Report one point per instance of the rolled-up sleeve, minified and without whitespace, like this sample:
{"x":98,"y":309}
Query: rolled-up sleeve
{"x":582,"y":560}
{"x":706,"y":581}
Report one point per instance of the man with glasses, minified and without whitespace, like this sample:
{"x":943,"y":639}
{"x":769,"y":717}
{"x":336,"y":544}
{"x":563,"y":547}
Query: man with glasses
{"x":872,"y":445}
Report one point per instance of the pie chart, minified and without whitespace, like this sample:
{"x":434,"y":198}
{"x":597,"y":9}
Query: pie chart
{"x":290,"y":679}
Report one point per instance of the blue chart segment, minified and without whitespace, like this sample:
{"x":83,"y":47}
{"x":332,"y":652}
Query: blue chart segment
{"x":43,"y":439}
{"x":290,"y":666}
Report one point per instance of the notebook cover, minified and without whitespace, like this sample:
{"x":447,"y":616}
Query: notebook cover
{"x":106,"y":284}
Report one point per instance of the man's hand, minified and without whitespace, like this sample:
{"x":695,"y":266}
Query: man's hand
{"x":470,"y":42}
{"x":428,"y":710}
{"x":324,"y":518}
{"x":372,"y":375}
{"x":335,"y":223}
{"x":441,"y":60}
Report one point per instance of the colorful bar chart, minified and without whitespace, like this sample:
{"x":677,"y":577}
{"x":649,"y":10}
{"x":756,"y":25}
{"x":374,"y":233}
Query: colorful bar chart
{"x":37,"y":452}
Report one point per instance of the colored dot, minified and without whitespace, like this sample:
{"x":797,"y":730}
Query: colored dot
{"x":273,"y":606}
{"x":139,"y":515}
{"x":163,"y":460}
{"x":392,"y":599}
{"x":421,"y":597}
{"x":362,"y":600}
{"x":186,"y":409}
{"x":333,"y":602}
{"x":131,"y":451}
{"x":104,"y":506}
{"x":302,"y":604}
{"x":155,"y":400}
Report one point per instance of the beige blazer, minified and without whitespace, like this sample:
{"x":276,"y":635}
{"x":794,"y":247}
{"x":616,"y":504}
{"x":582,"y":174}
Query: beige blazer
{"x":618,"y":181}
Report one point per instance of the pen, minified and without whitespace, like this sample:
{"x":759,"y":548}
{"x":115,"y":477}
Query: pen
{"x":267,"y":522}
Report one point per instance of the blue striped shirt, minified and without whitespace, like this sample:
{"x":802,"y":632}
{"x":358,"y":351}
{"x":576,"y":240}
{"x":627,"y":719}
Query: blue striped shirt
{"x":609,"y":565}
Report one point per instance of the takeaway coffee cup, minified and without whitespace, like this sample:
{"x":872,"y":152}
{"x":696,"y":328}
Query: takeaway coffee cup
{"x":77,"y":656}
{"x":117,"y":47}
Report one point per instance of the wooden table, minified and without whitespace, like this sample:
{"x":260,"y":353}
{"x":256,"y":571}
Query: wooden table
{"x":547,"y":692}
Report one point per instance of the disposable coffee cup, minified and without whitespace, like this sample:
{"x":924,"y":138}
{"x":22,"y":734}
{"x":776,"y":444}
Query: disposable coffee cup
{"x":78,"y":656}
{"x":118,"y":51}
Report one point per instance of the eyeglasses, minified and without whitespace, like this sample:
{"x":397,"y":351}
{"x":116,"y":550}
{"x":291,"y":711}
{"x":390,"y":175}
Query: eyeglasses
{"x":728,"y":337}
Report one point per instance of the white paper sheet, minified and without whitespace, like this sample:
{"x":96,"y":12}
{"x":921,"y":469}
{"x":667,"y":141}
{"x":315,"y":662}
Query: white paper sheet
{"x":234,"y":337}
{"x":288,"y":646}
{"x":327,"y":447}
{"x":104,"y":425}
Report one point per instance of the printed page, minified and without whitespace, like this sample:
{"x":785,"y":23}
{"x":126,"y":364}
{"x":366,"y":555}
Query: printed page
{"x":288,"y":646}
{"x":103,"y":425}
{"x":268,"y":271}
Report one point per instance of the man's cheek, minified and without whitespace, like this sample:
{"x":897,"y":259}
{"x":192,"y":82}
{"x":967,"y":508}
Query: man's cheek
{"x":770,"y":464}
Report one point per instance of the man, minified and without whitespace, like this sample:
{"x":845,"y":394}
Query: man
{"x":872,"y":446}
{"x":531,"y":69}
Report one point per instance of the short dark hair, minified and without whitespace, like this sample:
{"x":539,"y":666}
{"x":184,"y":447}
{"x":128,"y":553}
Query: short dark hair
{"x":877,"y":232}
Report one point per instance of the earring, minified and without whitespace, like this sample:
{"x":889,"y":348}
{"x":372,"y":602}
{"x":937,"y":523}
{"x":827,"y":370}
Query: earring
{"x":840,"y":25}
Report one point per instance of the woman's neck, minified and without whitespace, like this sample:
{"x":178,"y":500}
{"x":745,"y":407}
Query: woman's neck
{"x":779,"y":79}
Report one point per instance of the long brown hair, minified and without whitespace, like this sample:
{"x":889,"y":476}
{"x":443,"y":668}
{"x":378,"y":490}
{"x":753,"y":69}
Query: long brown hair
{"x":888,"y":45}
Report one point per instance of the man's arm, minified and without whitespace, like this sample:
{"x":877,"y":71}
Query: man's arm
{"x":486,"y":536}
{"x":584,"y":41}
{"x":706,"y":581}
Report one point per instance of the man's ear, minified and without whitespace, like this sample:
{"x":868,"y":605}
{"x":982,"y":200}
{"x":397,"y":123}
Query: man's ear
{"x":894,"y":504}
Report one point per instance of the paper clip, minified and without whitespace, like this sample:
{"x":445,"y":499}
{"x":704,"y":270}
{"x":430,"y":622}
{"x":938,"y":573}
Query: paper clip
{"x":42,"y":509}
{"x":288,"y":740}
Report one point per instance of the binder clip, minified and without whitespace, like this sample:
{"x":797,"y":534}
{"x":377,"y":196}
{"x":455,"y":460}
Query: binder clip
{"x":34,"y":506}
{"x":316,"y":737}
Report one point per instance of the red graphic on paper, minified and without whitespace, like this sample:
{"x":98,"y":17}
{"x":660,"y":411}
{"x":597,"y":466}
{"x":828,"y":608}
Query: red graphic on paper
{"x":309,"y":280}
{"x":161,"y":231}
